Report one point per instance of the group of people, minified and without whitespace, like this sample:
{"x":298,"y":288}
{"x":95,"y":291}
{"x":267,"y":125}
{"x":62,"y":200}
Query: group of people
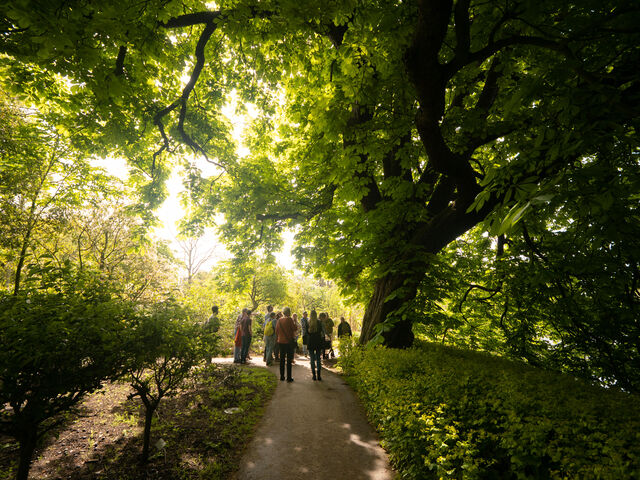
{"x":281,"y":333}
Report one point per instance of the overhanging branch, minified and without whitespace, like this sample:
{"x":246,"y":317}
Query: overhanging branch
{"x":210,"y":27}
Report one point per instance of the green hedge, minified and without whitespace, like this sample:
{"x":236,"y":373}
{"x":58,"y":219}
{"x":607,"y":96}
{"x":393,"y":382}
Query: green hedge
{"x":448,"y":413}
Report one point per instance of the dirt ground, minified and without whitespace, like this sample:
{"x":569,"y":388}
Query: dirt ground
{"x":313,"y":430}
{"x":200,"y":438}
{"x":309,"y":430}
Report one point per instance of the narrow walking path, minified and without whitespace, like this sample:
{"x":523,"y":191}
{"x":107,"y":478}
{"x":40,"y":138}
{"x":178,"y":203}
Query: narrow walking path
{"x":313,"y":430}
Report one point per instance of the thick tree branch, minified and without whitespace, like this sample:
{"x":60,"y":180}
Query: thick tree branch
{"x":443,"y":194}
{"x":492,"y":48}
{"x":492,"y":293}
{"x":463,"y":38}
{"x":122,"y":52}
{"x":208,"y":30}
{"x":490,"y":89}
{"x":430,"y":78}
{"x":191,"y":19}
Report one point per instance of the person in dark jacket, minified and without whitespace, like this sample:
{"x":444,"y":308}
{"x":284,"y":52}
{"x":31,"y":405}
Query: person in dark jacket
{"x":344,"y":328}
{"x":315,"y":344}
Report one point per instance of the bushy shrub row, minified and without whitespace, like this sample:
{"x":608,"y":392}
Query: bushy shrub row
{"x":448,"y":413}
{"x":62,"y":340}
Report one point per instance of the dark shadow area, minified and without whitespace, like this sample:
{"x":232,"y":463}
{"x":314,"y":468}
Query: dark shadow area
{"x":198,"y":439}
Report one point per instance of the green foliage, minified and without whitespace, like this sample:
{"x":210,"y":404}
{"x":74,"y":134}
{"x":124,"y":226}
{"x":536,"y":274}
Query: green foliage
{"x":560,"y":291}
{"x":164,"y":348}
{"x":59,"y":342}
{"x":231,"y":290}
{"x":448,"y":413}
{"x":43,"y":182}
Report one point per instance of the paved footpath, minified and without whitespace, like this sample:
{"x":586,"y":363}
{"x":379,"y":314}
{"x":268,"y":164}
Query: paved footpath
{"x":313,"y":430}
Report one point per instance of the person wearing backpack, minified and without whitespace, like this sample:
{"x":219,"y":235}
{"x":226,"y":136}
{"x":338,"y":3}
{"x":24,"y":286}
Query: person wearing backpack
{"x":270,"y":337}
{"x":315,"y":344}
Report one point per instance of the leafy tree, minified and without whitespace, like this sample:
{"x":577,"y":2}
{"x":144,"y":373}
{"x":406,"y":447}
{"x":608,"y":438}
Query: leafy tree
{"x":253,"y":283}
{"x":164,"y":350}
{"x":42,"y":180}
{"x":115,"y":240}
{"x":305,"y":293}
{"x":562,"y":293}
{"x":59,"y":343}
{"x":386,"y":129}
{"x":398,"y":136}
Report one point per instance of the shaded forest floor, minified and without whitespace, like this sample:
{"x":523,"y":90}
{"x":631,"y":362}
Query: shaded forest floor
{"x":202,"y":430}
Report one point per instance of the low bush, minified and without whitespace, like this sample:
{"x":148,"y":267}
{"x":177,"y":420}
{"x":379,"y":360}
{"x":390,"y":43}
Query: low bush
{"x":455,"y":414}
{"x":58,"y":343}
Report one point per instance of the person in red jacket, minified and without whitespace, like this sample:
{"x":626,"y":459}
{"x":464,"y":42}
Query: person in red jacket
{"x":285,"y":333}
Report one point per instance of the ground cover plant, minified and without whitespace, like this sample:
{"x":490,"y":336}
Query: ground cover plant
{"x":450,"y":413}
{"x":196,"y":433}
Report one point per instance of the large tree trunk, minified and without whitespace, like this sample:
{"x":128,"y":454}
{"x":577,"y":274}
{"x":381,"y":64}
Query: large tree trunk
{"x":428,"y":238}
{"x":400,"y":335}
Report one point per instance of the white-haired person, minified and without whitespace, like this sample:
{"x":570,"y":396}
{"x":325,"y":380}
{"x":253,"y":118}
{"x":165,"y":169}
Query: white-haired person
{"x":285,"y":334}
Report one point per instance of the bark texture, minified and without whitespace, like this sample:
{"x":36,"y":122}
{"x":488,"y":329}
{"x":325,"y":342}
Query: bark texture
{"x":28,"y":440}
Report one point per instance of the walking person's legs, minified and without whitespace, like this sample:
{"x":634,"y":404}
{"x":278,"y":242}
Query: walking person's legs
{"x":289,"y":350}
{"x":268,"y":350}
{"x":319,"y":366}
{"x":246,"y":343}
{"x":282,"y":360}
{"x":237,"y":350}
{"x":313,"y":355}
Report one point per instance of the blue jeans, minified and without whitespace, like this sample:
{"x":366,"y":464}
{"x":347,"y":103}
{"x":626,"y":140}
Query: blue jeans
{"x":246,"y":343}
{"x":316,"y":365}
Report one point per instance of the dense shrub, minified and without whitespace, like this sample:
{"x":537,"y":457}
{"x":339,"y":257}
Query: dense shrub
{"x":448,"y":413}
{"x":57,"y":344}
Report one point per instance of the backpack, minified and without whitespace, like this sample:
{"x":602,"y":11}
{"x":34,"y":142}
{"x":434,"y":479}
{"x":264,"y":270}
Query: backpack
{"x":268,"y":330}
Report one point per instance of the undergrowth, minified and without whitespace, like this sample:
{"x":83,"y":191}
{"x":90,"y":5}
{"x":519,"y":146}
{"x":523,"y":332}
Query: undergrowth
{"x":455,"y":414}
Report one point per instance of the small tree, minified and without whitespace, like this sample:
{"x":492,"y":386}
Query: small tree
{"x":194,"y":255}
{"x":165,"y":349}
{"x":58,"y":344}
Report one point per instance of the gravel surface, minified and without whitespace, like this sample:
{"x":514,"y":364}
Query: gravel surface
{"x":313,"y":430}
